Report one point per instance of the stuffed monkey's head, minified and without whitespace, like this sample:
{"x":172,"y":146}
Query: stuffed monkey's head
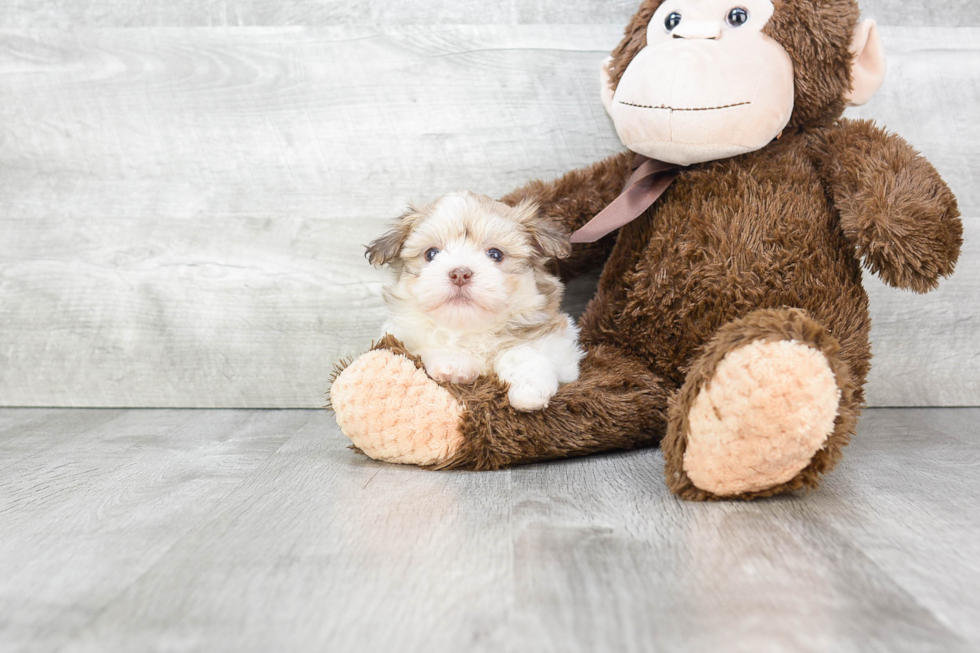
{"x":699,"y":80}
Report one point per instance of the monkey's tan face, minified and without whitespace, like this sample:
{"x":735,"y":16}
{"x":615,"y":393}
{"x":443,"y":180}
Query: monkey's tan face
{"x":708,"y":85}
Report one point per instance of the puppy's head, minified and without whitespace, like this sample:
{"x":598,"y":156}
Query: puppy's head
{"x":470,"y":262}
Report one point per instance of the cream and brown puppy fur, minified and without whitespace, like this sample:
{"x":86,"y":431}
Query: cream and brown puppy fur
{"x":472,"y":295}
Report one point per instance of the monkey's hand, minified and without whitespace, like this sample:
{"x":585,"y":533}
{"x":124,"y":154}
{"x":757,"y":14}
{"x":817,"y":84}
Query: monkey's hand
{"x":894,"y":206}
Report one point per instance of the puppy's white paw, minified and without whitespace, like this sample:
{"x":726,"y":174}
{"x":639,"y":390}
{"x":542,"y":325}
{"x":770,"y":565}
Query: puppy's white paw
{"x":450,"y":368}
{"x":531,"y":394}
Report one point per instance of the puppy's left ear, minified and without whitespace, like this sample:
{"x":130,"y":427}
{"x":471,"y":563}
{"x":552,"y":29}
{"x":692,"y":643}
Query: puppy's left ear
{"x":547,"y":239}
{"x":387,"y":248}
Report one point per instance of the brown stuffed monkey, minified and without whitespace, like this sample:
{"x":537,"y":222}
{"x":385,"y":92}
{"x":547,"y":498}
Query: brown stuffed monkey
{"x":730,"y":325}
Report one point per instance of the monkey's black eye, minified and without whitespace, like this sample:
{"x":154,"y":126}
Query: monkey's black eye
{"x":673,"y":20}
{"x":495,"y":254}
{"x":431,"y":253}
{"x":738,"y":17}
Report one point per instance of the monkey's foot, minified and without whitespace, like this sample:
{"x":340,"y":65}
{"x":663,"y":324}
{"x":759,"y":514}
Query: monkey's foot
{"x":392,"y":411}
{"x":766,"y":409}
{"x":759,"y":420}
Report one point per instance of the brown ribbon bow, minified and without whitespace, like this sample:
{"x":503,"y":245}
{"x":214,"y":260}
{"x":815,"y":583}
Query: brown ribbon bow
{"x":648,"y":182}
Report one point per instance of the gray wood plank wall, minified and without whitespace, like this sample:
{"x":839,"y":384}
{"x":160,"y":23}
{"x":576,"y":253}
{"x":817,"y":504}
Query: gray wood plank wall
{"x":146,"y":13}
{"x":182,"y":205}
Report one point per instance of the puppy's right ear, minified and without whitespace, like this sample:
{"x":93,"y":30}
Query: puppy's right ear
{"x":386,"y":249}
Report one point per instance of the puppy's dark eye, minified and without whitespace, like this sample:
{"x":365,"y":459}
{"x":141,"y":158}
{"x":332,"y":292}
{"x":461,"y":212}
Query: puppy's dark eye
{"x":673,"y":20}
{"x":431,"y":253}
{"x":738,"y":17}
{"x":495,"y":254}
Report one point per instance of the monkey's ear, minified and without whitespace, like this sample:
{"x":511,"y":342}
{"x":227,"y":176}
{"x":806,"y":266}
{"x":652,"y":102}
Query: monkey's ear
{"x":387,"y":248}
{"x":868,"y":68}
{"x":546,"y":238}
{"x":605,"y":78}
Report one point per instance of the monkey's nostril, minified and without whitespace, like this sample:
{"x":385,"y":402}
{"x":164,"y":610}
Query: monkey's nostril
{"x":461,"y":276}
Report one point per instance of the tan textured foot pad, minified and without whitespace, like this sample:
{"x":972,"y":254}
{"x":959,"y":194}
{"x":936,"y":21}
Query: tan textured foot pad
{"x":769,"y":407}
{"x":393,"y":411}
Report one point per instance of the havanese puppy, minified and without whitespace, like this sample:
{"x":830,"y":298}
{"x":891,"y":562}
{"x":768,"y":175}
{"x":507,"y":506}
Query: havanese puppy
{"x":472,"y":295}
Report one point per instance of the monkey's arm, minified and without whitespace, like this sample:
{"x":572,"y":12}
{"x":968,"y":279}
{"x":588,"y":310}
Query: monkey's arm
{"x":575,"y":198}
{"x":893,"y":205}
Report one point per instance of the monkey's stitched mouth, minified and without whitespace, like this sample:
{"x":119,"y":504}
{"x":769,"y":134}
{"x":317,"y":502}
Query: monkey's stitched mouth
{"x":664,"y":107}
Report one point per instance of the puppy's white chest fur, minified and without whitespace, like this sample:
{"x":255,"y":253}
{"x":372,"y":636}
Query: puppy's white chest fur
{"x":533,"y":366}
{"x":478,"y":345}
{"x":483,"y":347}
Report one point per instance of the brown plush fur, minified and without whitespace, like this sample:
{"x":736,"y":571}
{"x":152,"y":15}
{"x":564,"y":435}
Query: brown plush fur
{"x":906,"y":226}
{"x":615,"y":404}
{"x":767,"y":325}
{"x":765,"y":245}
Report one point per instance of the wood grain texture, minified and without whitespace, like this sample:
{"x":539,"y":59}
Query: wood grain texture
{"x":148,"y":530}
{"x":101,"y":496}
{"x":183,"y":209}
{"x":145,"y":13}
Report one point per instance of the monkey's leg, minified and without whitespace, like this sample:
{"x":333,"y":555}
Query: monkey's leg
{"x":392,"y":411}
{"x":765,"y":410}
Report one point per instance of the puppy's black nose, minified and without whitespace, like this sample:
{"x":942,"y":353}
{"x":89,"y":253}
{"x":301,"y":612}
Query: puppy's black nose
{"x":461,"y":276}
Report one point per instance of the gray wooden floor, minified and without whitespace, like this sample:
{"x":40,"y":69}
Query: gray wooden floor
{"x":171,"y":530}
